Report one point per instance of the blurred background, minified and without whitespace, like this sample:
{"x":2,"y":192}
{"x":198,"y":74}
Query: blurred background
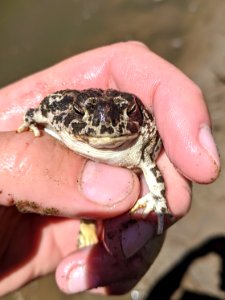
{"x":191,"y":35}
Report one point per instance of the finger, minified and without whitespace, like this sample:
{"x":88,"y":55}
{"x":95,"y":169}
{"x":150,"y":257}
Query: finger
{"x":40,"y":175}
{"x":181,"y":113}
{"x":178,"y":188}
{"x":86,"y":269}
{"x":190,"y":146}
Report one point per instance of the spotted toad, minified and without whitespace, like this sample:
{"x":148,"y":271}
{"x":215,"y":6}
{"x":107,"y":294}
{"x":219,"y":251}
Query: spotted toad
{"x":106,"y":126}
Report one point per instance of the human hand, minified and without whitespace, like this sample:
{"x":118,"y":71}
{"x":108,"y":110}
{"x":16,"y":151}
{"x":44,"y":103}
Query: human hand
{"x":40,"y":175}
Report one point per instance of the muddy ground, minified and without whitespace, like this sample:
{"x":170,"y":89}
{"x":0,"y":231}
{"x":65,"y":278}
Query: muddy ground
{"x":190,"y":34}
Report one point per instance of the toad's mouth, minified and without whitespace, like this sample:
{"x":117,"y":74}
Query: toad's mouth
{"x":107,"y":141}
{"x":103,"y":142}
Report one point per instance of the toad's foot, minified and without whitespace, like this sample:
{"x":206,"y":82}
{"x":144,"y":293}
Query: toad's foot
{"x":87,"y":234}
{"x":151,"y":203}
{"x":32,"y":127}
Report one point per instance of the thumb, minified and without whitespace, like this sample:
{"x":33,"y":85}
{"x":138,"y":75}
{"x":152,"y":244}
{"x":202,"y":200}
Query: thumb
{"x":40,"y":175}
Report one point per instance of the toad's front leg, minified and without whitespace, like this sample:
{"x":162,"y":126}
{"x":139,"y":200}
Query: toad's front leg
{"x":154,"y":200}
{"x":30,"y":122}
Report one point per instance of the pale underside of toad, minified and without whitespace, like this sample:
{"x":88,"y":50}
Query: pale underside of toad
{"x":106,"y":126}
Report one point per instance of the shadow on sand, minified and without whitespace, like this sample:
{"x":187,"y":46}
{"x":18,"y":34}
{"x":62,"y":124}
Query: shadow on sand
{"x":171,"y":281}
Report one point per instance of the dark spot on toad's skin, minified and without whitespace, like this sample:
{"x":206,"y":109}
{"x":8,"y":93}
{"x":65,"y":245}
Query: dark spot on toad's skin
{"x":150,"y":116}
{"x":44,"y":110}
{"x":60,"y":105}
{"x":163,"y":192}
{"x":105,"y":129}
{"x":90,"y":131}
{"x":30,"y":113}
{"x":68,"y":119}
{"x":1,"y":191}
{"x":112,"y":93}
{"x":154,"y":171}
{"x":58,"y":119}
{"x":132,"y":127}
{"x":160,"y":178}
{"x":77,"y":127}
{"x":121,"y":127}
{"x":65,"y":102}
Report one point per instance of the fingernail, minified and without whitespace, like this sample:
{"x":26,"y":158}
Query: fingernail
{"x":76,"y":280}
{"x":80,"y":279}
{"x":207,"y":142}
{"x":106,"y":185}
{"x":136,"y":236}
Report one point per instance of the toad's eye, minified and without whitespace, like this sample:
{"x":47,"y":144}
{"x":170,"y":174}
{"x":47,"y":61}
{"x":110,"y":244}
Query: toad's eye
{"x":131,"y":109}
{"x":78,"y":110}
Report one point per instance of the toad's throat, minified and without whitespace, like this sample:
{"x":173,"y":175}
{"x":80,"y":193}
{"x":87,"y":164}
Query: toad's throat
{"x":107,"y":141}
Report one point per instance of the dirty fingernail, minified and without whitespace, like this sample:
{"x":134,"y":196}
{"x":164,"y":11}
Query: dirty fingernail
{"x":136,"y":236}
{"x":207,"y":142}
{"x":105,"y":184}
